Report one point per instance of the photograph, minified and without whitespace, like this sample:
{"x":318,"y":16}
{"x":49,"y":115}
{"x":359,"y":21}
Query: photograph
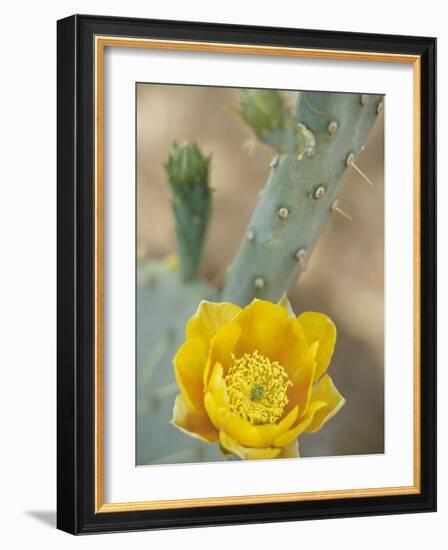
{"x":246,"y":274}
{"x":259,"y":274}
{"x":222,"y":316}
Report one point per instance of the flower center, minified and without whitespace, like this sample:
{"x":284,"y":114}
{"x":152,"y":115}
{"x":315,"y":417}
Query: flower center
{"x":257,"y":388}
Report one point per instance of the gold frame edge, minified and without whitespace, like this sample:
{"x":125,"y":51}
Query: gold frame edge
{"x":101,"y":42}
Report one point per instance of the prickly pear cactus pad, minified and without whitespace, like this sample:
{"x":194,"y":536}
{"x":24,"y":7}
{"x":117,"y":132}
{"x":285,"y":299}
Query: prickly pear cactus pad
{"x":164,"y":304}
{"x":255,"y":273}
{"x":301,"y":192}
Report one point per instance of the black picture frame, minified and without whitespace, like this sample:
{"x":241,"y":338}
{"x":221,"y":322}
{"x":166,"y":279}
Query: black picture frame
{"x":76,"y":512}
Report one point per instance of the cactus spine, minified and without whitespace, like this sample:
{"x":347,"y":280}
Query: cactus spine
{"x":301,"y":191}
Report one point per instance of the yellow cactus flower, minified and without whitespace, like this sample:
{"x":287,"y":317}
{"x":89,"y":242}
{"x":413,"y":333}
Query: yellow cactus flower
{"x":253,"y":379}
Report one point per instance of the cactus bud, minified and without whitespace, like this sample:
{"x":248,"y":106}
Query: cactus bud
{"x":263,"y":111}
{"x":188,"y":173}
{"x":266,"y":113}
{"x":187,"y":166}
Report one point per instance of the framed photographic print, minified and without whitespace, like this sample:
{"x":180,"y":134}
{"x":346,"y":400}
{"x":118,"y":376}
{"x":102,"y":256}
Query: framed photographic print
{"x":246,"y":274}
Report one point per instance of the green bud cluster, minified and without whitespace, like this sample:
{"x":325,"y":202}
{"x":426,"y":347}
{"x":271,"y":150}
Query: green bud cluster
{"x":187,"y":166}
{"x":267,"y":114}
{"x":263,"y":110}
{"x":188,"y":173}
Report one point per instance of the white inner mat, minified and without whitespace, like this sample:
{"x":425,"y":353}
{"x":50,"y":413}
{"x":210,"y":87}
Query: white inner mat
{"x":124,"y":482}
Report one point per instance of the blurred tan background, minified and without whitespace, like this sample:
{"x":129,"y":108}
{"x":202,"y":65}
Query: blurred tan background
{"x":344,"y":277}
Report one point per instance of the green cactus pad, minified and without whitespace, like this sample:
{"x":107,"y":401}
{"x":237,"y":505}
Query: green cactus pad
{"x":164,"y":304}
{"x":297,"y":200}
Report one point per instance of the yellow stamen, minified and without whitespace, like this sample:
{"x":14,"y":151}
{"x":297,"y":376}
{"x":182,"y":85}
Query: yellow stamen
{"x":257,"y":388}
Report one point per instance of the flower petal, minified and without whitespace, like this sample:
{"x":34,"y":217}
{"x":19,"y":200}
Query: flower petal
{"x":217,"y":413}
{"x":302,"y":375}
{"x":208,"y":318}
{"x":284,"y":303}
{"x":269,"y":336}
{"x":258,"y":436}
{"x":189,"y":365}
{"x":319,"y":328}
{"x":192,"y":423}
{"x":246,"y":453}
{"x":260,"y":308}
{"x":217,"y":386}
{"x":279,"y":339}
{"x":325,"y":392}
{"x":222,"y":346}
{"x":241,"y":430}
{"x":304,"y":422}
{"x":250,"y":317}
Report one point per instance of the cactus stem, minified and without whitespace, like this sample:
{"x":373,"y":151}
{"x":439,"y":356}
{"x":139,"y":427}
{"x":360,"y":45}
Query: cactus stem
{"x":156,"y":355}
{"x":272,"y":238}
{"x":294,"y":184}
{"x":310,"y":138}
{"x":310,"y":106}
{"x":332,"y":128}
{"x":364,"y":99}
{"x":164,"y":391}
{"x":320,"y":192}
{"x":186,"y":455}
{"x":283,"y":213}
{"x":336,"y":208}
{"x":188,"y":175}
{"x":149,"y":280}
{"x":259,"y":282}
